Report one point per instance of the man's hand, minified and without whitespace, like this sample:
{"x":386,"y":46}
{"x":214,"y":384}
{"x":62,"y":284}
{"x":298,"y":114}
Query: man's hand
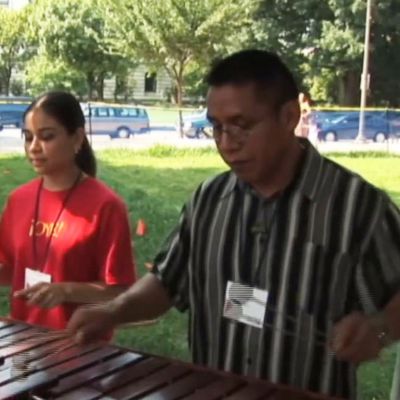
{"x":356,"y":339}
{"x":90,"y":323}
{"x":43,"y":294}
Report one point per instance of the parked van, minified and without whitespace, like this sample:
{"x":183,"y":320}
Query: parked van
{"x":11,"y":114}
{"x":116,"y":121}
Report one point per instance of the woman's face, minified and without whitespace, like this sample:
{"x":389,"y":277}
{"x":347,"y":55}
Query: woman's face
{"x":48,"y":145}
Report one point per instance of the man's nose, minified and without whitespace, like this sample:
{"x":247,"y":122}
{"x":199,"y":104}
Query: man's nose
{"x":227,"y":143}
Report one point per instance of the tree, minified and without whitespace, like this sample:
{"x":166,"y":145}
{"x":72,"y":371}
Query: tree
{"x":339,"y":48}
{"x":323,"y":43}
{"x":385,"y":57}
{"x":73,"y":32}
{"x":288,"y":28}
{"x":172,"y":34}
{"x":43,"y":74}
{"x":13,"y":42}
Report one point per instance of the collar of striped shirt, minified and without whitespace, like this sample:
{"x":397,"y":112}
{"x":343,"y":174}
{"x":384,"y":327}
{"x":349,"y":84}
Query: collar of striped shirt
{"x":308,"y":181}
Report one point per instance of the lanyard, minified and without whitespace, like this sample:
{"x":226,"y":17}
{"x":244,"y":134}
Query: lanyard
{"x":36,"y":219}
{"x":265,"y":230}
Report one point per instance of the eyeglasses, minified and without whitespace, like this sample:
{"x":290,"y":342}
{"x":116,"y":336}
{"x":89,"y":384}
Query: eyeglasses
{"x":237,"y":134}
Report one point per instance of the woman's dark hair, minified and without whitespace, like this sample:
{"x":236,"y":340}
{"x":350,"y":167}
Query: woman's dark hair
{"x":65,"y":108}
{"x":266,"y":70}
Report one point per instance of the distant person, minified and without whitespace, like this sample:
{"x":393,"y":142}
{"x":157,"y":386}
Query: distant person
{"x":303,"y":127}
{"x":313,"y":129}
{"x":288,"y":264}
{"x":64,"y":236}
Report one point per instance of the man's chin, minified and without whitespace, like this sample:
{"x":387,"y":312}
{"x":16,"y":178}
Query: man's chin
{"x":245,"y":176}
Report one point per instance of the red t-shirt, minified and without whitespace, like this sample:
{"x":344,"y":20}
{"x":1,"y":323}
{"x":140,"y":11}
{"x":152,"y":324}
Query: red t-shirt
{"x":90,"y":242}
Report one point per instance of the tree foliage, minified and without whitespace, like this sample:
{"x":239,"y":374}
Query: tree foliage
{"x":44,"y":74}
{"x":323,"y":42}
{"x":13,"y":44}
{"x":79,"y":43}
{"x":174,"y":34}
{"x":73,"y":33}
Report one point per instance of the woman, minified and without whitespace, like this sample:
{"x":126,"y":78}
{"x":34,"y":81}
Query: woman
{"x":64,"y":237}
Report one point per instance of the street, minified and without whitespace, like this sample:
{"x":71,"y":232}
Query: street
{"x":12,"y":142}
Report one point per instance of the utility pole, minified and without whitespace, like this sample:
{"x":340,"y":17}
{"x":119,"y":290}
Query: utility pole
{"x":365,"y":75}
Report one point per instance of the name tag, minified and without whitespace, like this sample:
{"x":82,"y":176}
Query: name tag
{"x":245,"y":304}
{"x":32,"y":277}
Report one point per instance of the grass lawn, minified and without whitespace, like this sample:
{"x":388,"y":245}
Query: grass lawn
{"x":154,"y":184}
{"x":166,"y":116}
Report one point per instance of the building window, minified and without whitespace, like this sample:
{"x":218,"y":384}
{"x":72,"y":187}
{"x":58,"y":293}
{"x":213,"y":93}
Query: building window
{"x":150,"y":82}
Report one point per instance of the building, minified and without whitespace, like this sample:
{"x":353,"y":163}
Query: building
{"x":14,"y":4}
{"x":144,"y":84}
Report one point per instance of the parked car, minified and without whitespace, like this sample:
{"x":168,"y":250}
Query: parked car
{"x":115,"y":121}
{"x":327,"y":116}
{"x":197,"y":125}
{"x":11,"y":114}
{"x":377,"y":128}
{"x":11,"y":119}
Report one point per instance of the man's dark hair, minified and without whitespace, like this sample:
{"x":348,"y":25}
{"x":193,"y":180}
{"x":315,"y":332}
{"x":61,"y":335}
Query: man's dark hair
{"x":271,"y":76}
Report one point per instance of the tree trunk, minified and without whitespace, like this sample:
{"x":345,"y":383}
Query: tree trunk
{"x":179,"y":98}
{"x":7,"y":81}
{"x":100,"y":87}
{"x":91,"y":85}
{"x":176,"y":72}
{"x":349,"y":89}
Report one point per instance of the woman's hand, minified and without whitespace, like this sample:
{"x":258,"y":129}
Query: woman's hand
{"x":43,"y":294}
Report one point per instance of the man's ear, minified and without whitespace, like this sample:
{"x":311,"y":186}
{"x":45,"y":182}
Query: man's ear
{"x":290,"y":115}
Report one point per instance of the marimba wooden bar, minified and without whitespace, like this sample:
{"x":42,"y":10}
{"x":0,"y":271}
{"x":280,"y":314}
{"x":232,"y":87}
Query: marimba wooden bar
{"x":38,"y":366}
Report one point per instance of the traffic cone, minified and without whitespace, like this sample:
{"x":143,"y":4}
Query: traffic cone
{"x":141,"y":228}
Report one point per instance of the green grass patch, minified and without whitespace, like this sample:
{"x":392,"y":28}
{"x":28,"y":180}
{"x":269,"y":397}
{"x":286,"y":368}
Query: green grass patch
{"x":155,"y":183}
{"x":166,"y":116}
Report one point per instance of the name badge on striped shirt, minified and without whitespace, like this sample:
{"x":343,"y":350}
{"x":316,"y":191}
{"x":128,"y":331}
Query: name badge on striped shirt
{"x":245,"y":304}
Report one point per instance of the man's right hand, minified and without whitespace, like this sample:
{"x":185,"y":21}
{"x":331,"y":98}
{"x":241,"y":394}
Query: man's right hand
{"x":91,"y":323}
{"x":145,"y":300}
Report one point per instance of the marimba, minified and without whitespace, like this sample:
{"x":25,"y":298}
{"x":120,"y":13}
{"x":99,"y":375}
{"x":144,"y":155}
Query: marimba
{"x":38,"y":366}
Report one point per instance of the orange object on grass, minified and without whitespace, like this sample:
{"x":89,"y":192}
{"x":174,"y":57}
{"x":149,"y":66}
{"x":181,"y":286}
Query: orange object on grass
{"x":141,"y":228}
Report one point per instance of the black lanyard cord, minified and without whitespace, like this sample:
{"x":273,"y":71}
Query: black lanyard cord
{"x":263,"y":229}
{"x":36,"y":219}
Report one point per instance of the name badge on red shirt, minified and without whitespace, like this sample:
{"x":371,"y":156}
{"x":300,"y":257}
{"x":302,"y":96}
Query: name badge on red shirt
{"x":32,"y":277}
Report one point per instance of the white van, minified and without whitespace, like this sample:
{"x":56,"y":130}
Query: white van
{"x":116,"y":121}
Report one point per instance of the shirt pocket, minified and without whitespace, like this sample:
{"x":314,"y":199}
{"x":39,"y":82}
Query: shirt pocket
{"x":326,"y":284}
{"x":316,"y":280}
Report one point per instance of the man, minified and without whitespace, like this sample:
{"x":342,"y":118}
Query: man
{"x":288,"y":264}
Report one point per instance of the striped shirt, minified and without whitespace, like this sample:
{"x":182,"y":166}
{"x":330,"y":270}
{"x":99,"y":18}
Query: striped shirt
{"x":327,"y":246}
